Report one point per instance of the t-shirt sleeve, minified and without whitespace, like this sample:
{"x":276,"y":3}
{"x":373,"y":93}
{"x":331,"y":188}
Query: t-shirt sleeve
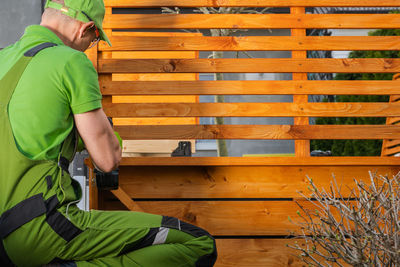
{"x":81,"y":84}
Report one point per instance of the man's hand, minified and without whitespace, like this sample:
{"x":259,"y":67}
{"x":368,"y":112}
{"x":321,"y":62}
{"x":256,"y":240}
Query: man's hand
{"x":99,"y":138}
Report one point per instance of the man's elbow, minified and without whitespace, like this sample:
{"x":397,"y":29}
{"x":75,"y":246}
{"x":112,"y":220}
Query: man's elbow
{"x":111,"y":163}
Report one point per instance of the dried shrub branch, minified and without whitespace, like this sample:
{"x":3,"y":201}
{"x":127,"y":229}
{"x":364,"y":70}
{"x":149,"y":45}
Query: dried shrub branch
{"x":360,"y":229}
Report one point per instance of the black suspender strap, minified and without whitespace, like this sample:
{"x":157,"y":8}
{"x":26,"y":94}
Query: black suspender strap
{"x":32,"y":52}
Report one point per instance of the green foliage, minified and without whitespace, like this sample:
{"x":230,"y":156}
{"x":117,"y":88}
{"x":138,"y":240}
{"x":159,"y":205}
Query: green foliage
{"x":359,"y":147}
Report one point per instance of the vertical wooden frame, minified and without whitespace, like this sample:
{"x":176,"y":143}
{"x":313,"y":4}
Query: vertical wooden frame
{"x":302,"y":147}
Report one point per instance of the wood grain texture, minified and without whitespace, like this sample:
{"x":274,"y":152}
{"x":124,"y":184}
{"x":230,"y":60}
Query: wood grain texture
{"x":252,"y":21}
{"x":153,"y":77}
{"x":272,"y":132}
{"x":152,"y":146}
{"x":249,"y":87}
{"x":253,"y":43}
{"x":353,"y":109}
{"x":391,"y":151}
{"x":151,"y":54}
{"x":263,"y":161}
{"x":251,"y":3}
{"x":252,"y":65}
{"x":301,"y":147}
{"x":257,"y":252}
{"x":204,"y":182}
{"x":228,"y":218}
{"x":126,"y":199}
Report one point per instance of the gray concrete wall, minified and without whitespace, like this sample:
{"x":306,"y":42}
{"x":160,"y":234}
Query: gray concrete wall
{"x":15,"y":16}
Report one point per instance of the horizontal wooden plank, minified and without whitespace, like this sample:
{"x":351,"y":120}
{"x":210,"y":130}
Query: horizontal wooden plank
{"x":252,"y":43}
{"x":163,"y":182}
{"x":153,"y":146}
{"x":264,"y":132}
{"x":262,"y":253}
{"x":250,"y":88}
{"x":258,"y":252}
{"x":252,"y":3}
{"x":151,"y":54}
{"x":153,"y":77}
{"x":227,"y":217}
{"x":262,"y":161}
{"x":252,"y":109}
{"x":251,"y":65}
{"x":154,"y":99}
{"x":154,"y":121}
{"x":154,"y":34}
{"x":252,"y":21}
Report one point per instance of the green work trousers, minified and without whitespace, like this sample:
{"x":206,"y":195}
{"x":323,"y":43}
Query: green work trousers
{"x":113,"y":238}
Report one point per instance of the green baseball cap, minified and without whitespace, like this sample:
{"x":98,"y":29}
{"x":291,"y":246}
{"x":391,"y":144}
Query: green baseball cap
{"x":85,"y":11}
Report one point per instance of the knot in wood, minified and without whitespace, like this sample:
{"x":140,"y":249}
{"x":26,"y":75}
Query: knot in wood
{"x":346,"y":62}
{"x":190,"y":217}
{"x":387,"y":63}
{"x":169,"y":67}
{"x":286,"y":128}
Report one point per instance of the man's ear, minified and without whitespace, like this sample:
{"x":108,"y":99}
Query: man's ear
{"x":84,"y":28}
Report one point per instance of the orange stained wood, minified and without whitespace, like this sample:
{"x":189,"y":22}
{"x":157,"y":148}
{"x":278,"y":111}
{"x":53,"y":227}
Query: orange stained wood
{"x":206,"y":182}
{"x":251,"y":43}
{"x":264,"y":161}
{"x":372,"y":87}
{"x":391,"y":147}
{"x":133,"y":147}
{"x":301,"y":147}
{"x":153,"y":77}
{"x":252,"y":217}
{"x":152,"y":54}
{"x":299,"y":109}
{"x":154,"y":121}
{"x":126,"y":199}
{"x":252,"y":21}
{"x":252,"y":3}
{"x":251,"y":65}
{"x":258,"y":252}
{"x":267,"y":132}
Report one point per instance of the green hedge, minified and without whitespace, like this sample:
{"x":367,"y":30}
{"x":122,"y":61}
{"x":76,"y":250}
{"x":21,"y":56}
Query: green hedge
{"x":358,"y":147}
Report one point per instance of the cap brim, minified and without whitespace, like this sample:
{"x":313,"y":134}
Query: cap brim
{"x":104,"y":37}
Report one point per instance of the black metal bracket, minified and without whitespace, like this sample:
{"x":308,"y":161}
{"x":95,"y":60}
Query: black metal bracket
{"x":184,"y":149}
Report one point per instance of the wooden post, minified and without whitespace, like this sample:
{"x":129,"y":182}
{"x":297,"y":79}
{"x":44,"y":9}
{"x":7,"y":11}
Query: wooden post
{"x":302,"y":147}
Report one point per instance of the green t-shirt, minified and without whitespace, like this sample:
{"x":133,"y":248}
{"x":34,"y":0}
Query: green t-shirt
{"x":58,"y":82}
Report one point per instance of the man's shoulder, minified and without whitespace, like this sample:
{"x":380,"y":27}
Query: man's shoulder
{"x":62,"y":53}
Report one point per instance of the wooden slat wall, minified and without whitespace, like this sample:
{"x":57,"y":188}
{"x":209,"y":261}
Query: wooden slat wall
{"x":132,"y":148}
{"x":244,"y":201}
{"x":391,"y":147}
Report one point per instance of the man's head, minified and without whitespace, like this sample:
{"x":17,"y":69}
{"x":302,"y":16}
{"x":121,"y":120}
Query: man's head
{"x":77,"y":22}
